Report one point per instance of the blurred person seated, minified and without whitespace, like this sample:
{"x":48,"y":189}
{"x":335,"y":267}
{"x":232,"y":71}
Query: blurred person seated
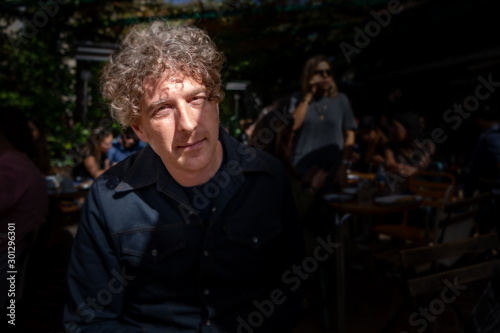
{"x":94,"y":155}
{"x":23,"y":194}
{"x":394,"y":102}
{"x":124,"y":145}
{"x":371,"y":145}
{"x":405,"y":154}
{"x":484,"y":168}
{"x":485,"y":161}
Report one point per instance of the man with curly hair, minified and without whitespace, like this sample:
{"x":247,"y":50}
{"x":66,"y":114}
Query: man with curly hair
{"x":196,"y":232}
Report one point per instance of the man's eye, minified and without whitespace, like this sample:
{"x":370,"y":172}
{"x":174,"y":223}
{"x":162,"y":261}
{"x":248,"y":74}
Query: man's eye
{"x":197,"y":100}
{"x":162,"y":109}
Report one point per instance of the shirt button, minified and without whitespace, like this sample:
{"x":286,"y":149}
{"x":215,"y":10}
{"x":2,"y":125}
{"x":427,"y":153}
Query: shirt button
{"x":214,"y":209}
{"x":205,"y":253}
{"x":208,"y":322}
{"x":154,"y":253}
{"x":206,"y":291}
{"x":255,"y":240}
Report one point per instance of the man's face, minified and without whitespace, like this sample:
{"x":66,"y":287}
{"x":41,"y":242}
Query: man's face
{"x":182,"y":127}
{"x":127,"y":142}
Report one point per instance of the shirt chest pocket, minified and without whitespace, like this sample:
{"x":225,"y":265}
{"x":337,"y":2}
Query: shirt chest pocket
{"x":253,"y":232}
{"x":152,"y":245}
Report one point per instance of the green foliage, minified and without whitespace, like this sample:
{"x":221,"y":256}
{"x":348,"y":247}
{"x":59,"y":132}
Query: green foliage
{"x":38,"y":74}
{"x":265,"y":42}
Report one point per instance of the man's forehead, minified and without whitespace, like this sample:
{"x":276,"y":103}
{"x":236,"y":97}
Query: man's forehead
{"x":168,"y":81}
{"x":169,"y":77}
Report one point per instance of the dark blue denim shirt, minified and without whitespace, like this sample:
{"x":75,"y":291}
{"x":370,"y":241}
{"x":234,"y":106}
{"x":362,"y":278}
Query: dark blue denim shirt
{"x":143,"y":261}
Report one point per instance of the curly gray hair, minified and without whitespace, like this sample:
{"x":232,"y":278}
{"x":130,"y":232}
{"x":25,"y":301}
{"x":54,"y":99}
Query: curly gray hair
{"x":147,"y":51}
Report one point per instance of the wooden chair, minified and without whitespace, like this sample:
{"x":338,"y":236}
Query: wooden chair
{"x":432,"y":186}
{"x":424,"y":279}
{"x":436,"y":189}
{"x":478,"y":261}
{"x":454,"y":249}
{"x":457,"y":213}
{"x":478,"y":258}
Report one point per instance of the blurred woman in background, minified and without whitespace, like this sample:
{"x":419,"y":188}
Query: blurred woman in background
{"x":324,"y":121}
{"x":94,"y":155}
{"x":405,"y":154}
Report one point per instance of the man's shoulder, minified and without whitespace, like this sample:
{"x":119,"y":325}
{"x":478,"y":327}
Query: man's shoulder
{"x":127,"y":170}
{"x":250,"y":158}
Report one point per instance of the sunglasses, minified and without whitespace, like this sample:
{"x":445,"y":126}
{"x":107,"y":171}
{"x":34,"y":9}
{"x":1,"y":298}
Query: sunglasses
{"x":323,"y":72}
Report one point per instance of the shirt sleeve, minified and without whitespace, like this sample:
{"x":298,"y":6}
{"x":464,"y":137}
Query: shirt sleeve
{"x":96,"y":281}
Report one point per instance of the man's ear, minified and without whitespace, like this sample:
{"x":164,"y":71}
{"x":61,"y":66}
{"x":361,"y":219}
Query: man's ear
{"x":140,"y":133}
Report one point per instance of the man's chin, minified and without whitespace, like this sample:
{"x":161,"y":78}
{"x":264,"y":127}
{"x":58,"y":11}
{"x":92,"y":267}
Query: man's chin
{"x":194,"y":164}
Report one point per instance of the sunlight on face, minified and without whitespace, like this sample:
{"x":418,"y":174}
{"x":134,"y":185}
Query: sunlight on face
{"x":181,"y":125}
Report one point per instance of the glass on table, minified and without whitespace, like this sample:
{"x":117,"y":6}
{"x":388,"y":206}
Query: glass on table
{"x":365,"y":191}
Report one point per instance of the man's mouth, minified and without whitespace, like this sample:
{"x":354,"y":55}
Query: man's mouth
{"x":192,"y":145}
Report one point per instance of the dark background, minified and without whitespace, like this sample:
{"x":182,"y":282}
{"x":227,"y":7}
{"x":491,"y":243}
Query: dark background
{"x":434,"y":51}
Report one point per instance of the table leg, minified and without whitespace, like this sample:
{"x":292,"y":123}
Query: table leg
{"x":340,"y":276}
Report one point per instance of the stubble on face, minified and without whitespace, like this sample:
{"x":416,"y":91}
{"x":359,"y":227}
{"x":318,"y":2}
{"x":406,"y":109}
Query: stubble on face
{"x":184,"y":133}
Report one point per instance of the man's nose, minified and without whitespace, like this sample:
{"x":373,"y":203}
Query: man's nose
{"x":187,"y":117}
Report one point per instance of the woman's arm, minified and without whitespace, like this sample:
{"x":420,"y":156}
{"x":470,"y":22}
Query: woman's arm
{"x":92,"y":166}
{"x":300,"y":111}
{"x":394,"y":166}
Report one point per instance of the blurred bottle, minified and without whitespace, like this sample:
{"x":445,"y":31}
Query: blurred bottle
{"x":380,"y":179}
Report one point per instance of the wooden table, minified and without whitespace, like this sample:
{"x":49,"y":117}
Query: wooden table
{"x":343,"y":210}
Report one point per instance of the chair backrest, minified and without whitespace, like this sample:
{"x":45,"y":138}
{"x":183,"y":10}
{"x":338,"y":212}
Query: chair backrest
{"x":434,"y":187}
{"x":469,"y":271}
{"x":459,"y":216}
